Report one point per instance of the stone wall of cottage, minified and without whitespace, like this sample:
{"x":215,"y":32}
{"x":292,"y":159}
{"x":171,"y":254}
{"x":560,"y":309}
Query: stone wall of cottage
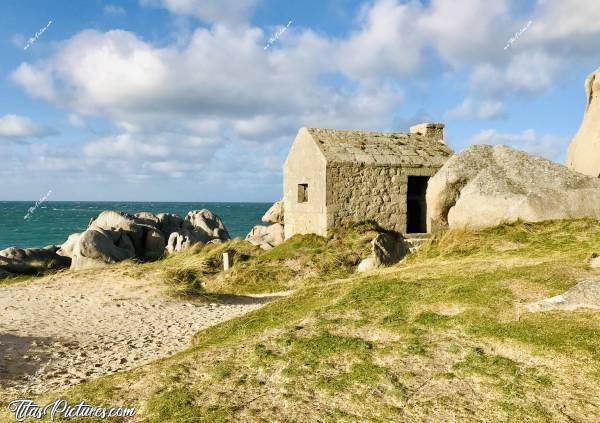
{"x":356,"y":192}
{"x":305,"y":164}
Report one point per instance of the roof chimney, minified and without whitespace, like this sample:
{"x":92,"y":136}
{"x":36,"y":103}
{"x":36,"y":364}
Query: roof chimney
{"x":434,"y":131}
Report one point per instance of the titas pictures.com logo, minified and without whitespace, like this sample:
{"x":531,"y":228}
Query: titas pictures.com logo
{"x":27,"y":409}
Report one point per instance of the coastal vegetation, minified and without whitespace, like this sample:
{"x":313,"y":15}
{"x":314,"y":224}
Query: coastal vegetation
{"x":441,"y":336}
{"x":302,"y":260}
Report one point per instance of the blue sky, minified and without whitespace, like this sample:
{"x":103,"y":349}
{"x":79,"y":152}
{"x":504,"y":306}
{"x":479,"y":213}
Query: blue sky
{"x":177,"y":100}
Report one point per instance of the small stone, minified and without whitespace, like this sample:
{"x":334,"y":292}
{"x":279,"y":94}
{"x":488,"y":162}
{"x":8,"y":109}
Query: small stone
{"x":586,"y":294}
{"x":594,"y":260}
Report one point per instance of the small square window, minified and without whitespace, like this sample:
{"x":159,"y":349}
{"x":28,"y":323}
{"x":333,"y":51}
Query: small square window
{"x":302,"y":193}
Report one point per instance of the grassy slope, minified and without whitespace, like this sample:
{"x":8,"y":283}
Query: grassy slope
{"x":16,"y":279}
{"x":301,"y":261}
{"x":439,"y":337}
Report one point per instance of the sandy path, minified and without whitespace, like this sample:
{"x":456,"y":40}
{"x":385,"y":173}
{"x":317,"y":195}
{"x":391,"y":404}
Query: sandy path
{"x":64,"y":329}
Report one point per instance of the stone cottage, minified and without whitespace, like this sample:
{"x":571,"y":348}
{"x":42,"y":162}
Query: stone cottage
{"x":336,"y":176}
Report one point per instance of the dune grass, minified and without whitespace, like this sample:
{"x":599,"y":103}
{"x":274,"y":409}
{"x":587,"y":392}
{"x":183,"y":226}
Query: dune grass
{"x":439,"y":337}
{"x":12,"y":279}
{"x":299,"y":261}
{"x":9,"y":280}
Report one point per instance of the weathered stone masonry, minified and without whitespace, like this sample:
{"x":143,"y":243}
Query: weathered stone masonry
{"x":332,"y":177}
{"x":369,"y":193}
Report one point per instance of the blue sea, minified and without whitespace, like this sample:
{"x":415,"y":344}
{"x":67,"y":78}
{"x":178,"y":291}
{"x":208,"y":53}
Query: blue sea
{"x":53,"y":221}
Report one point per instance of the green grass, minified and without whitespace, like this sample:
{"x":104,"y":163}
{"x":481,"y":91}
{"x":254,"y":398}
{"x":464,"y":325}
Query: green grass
{"x":299,"y":261}
{"x":439,"y":337}
{"x":16,"y":279}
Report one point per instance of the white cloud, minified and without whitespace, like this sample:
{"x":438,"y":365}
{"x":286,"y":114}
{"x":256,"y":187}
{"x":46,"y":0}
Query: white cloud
{"x":528,"y":73}
{"x":562,"y":32}
{"x":548,"y":146}
{"x":218,"y":11}
{"x":569,"y":26}
{"x":117,"y":73}
{"x":393,"y":37}
{"x":469,"y":109}
{"x":112,"y":9}
{"x":386,"y":41}
{"x":123,"y":147}
{"x":462,"y":33}
{"x":137,"y":85}
{"x":491,"y":110}
{"x":98,"y":71}
{"x":19,"y":40}
{"x":15,"y":128}
{"x":214,"y":99}
{"x":76,"y":121}
{"x":37,"y":82}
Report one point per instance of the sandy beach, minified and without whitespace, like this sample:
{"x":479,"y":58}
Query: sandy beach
{"x":70,"y":327}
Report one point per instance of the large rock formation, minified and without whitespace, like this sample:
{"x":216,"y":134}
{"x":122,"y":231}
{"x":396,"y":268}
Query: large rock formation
{"x":206,"y":224}
{"x":32,"y":260}
{"x":267,"y":237}
{"x":584,"y":151}
{"x":115,"y":236}
{"x":183,"y":239}
{"x":169,"y":223}
{"x":147,"y":218}
{"x":143,"y":231}
{"x":67,"y":248}
{"x":97,"y":247}
{"x":274,"y":214}
{"x":487,"y":185}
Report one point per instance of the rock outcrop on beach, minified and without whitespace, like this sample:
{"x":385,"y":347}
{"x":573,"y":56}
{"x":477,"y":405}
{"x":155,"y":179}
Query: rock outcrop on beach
{"x":169,"y":223}
{"x":31,"y":260}
{"x":486,"y":186}
{"x":199,"y":226}
{"x":206,"y":223}
{"x":116,"y":236}
{"x":181,"y":240}
{"x":267,"y":237}
{"x":584,"y":151}
{"x":97,"y":247}
{"x":149,"y":242}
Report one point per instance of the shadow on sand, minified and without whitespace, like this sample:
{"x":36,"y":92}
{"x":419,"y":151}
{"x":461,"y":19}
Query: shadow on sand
{"x":22,"y":356}
{"x":229,"y":299}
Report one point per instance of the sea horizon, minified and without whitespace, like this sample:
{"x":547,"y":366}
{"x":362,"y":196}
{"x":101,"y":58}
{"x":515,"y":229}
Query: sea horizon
{"x":139,"y":201}
{"x":52,"y":221}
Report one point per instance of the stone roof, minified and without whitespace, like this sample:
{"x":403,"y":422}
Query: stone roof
{"x":380,"y":148}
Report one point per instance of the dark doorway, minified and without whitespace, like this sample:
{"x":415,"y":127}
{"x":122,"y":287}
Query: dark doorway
{"x":416,"y":206}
